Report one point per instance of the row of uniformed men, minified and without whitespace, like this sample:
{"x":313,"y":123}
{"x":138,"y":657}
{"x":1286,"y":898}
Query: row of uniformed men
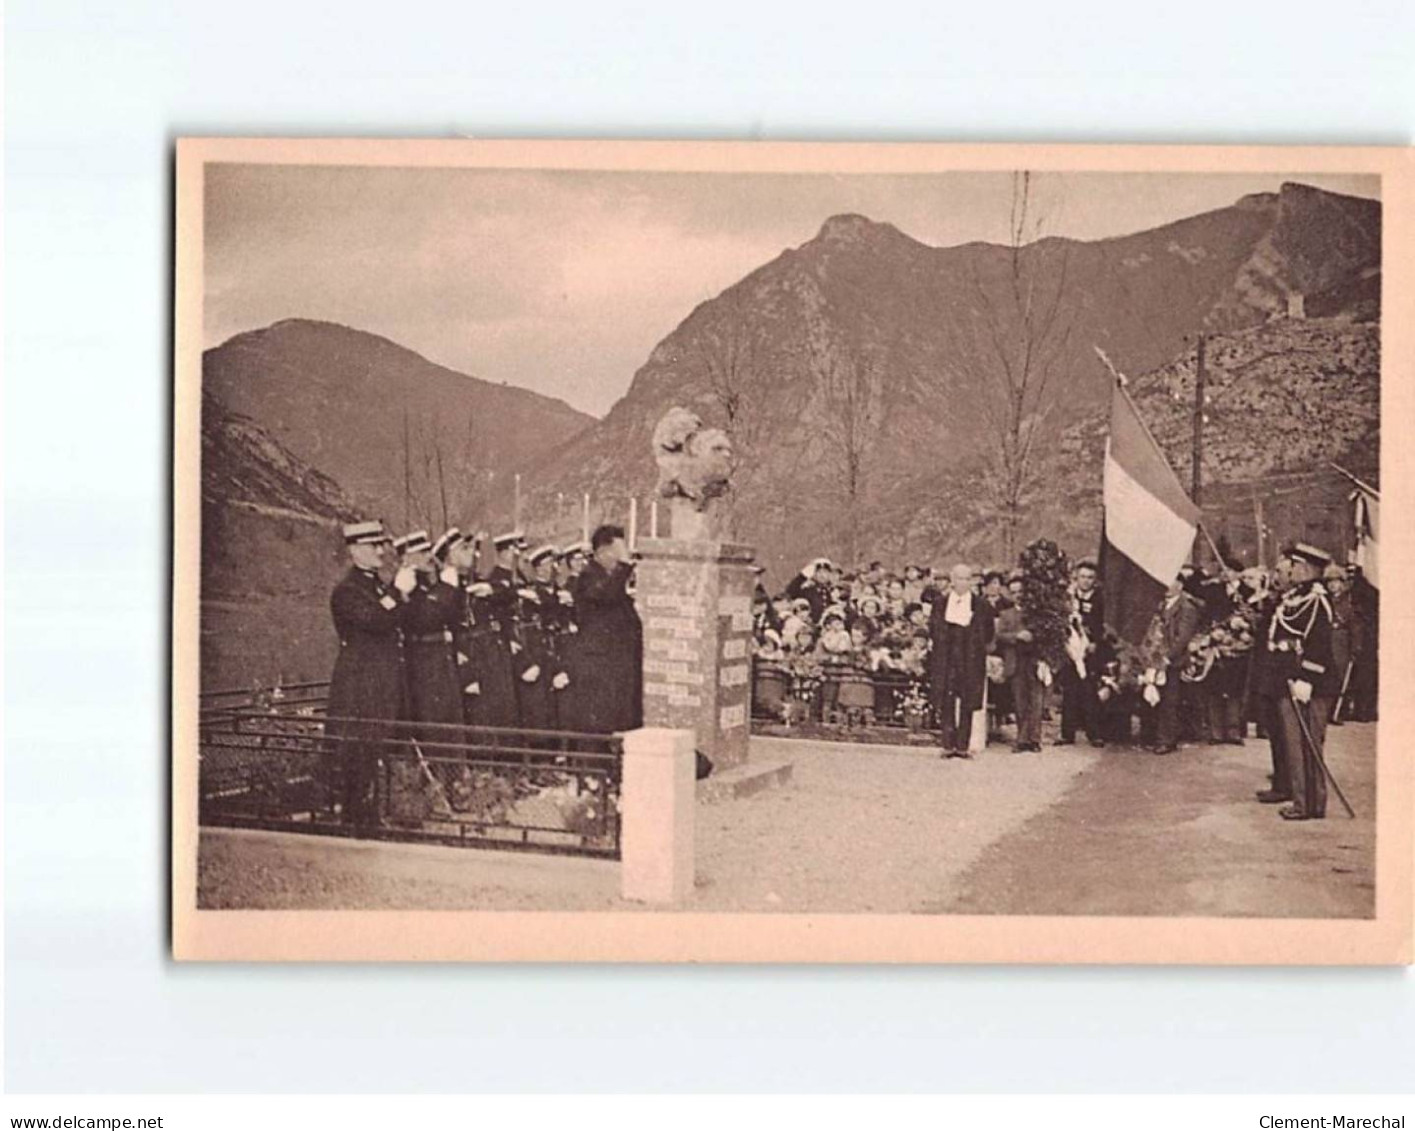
{"x":423,"y":639}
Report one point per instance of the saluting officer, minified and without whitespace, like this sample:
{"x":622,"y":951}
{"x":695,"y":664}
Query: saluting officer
{"x":571,"y":704}
{"x":534,"y":669}
{"x":433,"y":613}
{"x":489,"y":695}
{"x":459,"y":556}
{"x":1301,"y":676}
{"x":367,"y":689}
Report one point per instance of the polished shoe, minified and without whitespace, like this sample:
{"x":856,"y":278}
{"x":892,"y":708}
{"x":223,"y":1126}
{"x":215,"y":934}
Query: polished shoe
{"x":1272,"y":796}
{"x":1064,"y":742}
{"x":1292,"y":813}
{"x":1098,"y":743}
{"x":1168,"y":748}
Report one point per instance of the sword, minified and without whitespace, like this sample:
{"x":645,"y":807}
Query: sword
{"x":1316,"y":753}
{"x":1341,"y":698}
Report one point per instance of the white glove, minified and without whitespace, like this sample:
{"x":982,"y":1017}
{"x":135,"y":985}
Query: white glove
{"x":531,"y":674}
{"x":1301,"y":690}
{"x":405,"y":580}
{"x":1151,"y":694}
{"x":449,"y":574}
{"x":388,"y":603}
{"x":473,"y":688}
{"x":528,"y":595}
{"x":515,"y":647}
{"x":1044,"y":676}
{"x":462,"y":658}
{"x":480,"y":589}
{"x":565,"y":597}
{"x":560,"y":682}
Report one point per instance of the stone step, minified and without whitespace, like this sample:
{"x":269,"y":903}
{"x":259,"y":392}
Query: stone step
{"x":745,"y":780}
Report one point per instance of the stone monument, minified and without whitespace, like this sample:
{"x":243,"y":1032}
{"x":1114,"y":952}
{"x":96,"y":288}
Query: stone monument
{"x":694,"y":592}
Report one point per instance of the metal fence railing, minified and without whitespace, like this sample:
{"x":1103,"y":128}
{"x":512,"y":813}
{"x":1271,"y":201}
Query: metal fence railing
{"x":286,"y":765}
{"x":839,"y":698}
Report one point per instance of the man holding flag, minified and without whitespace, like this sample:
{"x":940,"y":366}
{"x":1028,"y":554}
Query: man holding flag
{"x":1149,"y":525}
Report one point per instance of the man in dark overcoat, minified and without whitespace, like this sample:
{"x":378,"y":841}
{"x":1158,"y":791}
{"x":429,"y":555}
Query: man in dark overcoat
{"x":367,"y":689}
{"x":960,"y":633}
{"x":610,"y":637}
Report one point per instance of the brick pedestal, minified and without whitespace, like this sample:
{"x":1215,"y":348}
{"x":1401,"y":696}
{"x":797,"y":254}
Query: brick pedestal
{"x":695,"y":601}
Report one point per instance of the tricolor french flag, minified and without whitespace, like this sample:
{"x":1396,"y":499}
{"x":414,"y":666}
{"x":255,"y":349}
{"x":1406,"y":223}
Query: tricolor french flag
{"x":1149,"y":524}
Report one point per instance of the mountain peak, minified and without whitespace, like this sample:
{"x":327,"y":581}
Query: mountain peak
{"x":852,"y":228}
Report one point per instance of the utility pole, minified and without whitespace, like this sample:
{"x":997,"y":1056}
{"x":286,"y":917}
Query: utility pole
{"x":1196,"y":490}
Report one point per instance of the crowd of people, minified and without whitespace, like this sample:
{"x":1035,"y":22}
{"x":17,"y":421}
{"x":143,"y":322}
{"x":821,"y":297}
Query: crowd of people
{"x":467,"y":630}
{"x":472,"y":631}
{"x":1228,"y":654}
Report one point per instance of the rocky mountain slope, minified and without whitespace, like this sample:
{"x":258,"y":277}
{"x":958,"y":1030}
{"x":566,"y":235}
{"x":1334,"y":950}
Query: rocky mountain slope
{"x":864,"y":367}
{"x":380,"y":419}
{"x":1283,"y":398}
{"x":270,"y":553}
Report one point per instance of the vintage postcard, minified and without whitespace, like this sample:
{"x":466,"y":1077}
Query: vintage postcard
{"x":757,"y":552}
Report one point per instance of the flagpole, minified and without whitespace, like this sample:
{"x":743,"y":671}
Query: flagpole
{"x":1364,"y":486}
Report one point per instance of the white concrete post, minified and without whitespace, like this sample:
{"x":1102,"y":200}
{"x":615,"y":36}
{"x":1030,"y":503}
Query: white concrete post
{"x":657,"y":802}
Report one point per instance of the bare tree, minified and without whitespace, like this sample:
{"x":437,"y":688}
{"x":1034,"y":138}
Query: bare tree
{"x":444,"y":480}
{"x":728,"y":357}
{"x":851,"y":424}
{"x":1022,"y":341}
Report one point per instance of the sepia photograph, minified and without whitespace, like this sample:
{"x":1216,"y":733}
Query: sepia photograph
{"x":770,"y":552}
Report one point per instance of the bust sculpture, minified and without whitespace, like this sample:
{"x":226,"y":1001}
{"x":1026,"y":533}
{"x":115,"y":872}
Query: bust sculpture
{"x":694,"y":472}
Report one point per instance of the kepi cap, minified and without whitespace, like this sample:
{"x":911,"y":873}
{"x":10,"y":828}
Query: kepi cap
{"x":370,"y":533}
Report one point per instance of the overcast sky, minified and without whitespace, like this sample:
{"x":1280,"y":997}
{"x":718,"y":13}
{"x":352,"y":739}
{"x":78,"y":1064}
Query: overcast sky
{"x":562,"y":282}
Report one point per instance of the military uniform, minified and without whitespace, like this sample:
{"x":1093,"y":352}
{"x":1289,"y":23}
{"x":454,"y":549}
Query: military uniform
{"x":367,"y":688}
{"x":1299,"y":650}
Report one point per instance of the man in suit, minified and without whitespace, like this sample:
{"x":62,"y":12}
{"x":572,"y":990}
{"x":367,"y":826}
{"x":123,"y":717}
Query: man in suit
{"x":367,"y":692}
{"x":960,"y":632}
{"x":1018,"y":649}
{"x":610,"y":638}
{"x":1179,"y":619}
{"x":1080,"y":702}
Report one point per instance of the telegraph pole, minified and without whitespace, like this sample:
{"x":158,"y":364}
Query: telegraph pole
{"x":1197,"y":487}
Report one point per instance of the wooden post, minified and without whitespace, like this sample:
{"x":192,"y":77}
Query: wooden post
{"x":1258,"y":520}
{"x":1197,"y":478}
{"x":633,"y":523}
{"x":516,"y":505}
{"x":585,"y":520}
{"x":653,"y":518}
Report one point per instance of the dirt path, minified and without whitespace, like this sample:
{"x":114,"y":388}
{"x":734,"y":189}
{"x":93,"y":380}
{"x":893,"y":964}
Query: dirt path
{"x":869,"y":828}
{"x":889,"y":829}
{"x":1182,"y":835}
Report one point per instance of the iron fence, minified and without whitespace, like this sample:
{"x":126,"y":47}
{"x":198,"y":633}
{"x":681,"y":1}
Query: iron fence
{"x":289,"y":766}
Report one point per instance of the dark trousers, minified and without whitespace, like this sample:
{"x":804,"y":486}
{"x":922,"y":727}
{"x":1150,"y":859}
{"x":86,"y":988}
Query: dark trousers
{"x":1028,"y":698}
{"x":1080,"y":708}
{"x":1309,"y":783}
{"x":1224,"y":716}
{"x":1167,"y":713}
{"x":954,"y":722}
{"x":1269,"y":719}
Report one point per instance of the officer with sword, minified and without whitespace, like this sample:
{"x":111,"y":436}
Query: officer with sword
{"x":1303,"y":677}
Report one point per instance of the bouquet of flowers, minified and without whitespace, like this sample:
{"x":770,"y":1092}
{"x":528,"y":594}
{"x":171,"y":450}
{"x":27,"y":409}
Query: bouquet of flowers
{"x":1046,"y":601}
